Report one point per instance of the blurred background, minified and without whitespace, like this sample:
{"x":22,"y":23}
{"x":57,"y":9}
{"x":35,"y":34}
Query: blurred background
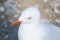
{"x":11,"y":10}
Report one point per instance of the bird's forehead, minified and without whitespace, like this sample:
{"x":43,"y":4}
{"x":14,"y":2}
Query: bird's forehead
{"x":25,"y":14}
{"x":30,"y":11}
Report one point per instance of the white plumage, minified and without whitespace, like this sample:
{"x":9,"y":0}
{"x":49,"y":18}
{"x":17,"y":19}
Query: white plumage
{"x":32,"y":29}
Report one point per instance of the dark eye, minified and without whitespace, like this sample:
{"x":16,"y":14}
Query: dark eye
{"x":29,"y":18}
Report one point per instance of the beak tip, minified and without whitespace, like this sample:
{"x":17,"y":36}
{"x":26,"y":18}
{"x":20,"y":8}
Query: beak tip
{"x":14,"y":23}
{"x":10,"y":25}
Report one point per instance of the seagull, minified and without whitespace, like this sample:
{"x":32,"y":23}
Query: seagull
{"x":31,"y":28}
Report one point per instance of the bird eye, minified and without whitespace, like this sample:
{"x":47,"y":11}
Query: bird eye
{"x":29,"y":18}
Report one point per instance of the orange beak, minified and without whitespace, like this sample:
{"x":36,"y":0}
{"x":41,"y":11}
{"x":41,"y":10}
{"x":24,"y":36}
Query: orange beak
{"x":15,"y":22}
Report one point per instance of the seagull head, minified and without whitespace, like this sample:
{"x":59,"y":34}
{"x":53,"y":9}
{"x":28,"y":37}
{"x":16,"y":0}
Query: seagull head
{"x":29,"y":15}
